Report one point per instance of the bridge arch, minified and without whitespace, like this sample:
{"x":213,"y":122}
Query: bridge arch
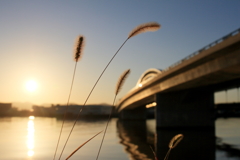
{"x":148,"y":75}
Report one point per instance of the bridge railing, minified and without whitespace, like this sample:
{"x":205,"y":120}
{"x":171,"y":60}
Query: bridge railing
{"x":204,"y":48}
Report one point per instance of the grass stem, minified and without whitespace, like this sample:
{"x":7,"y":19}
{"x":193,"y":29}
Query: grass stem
{"x":89,"y":96}
{"x":66,"y":109}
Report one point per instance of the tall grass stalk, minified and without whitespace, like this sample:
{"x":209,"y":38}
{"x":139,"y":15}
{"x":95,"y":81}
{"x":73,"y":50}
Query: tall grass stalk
{"x":154,"y":153}
{"x":77,"y":56}
{"x":173,"y":143}
{"x":152,"y":26}
{"x":118,"y":88}
{"x":82,"y":145}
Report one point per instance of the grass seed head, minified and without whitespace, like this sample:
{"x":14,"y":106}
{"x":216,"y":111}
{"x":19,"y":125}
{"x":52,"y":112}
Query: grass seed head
{"x":175,"y":140}
{"x":121,"y":81}
{"x":146,"y":27}
{"x":79,"y":48}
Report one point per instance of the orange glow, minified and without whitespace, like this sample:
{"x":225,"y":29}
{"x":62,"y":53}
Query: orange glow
{"x":31,"y":85}
{"x":151,"y":105}
{"x":30,"y":153}
{"x":31,"y":117}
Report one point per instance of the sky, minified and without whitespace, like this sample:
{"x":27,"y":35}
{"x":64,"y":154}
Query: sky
{"x":37,"y":43}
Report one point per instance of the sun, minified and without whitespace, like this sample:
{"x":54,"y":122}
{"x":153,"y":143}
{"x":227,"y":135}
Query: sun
{"x":31,"y":85}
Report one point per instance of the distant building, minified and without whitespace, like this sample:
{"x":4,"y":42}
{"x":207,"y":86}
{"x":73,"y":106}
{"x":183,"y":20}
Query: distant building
{"x":44,"y":111}
{"x":4,"y":108}
{"x":88,"y":110}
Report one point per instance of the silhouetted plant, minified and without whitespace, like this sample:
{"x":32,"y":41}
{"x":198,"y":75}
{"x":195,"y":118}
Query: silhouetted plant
{"x":77,"y":55}
{"x":118,"y":88}
{"x":154,"y":153}
{"x":152,"y":26}
{"x":82,"y":145}
{"x":173,"y":143}
{"x":146,"y":27}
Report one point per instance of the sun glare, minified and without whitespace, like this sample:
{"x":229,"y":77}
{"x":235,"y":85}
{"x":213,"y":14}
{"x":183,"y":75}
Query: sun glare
{"x":31,"y":85}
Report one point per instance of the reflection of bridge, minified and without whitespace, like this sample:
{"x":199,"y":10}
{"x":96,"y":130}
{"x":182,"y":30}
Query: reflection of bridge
{"x":228,"y":110}
{"x":137,"y":139}
{"x":133,"y":136}
{"x":184,"y":93}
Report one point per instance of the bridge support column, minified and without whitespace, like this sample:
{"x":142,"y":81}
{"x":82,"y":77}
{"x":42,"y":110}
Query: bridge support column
{"x":138,"y":113}
{"x":185,"y":109}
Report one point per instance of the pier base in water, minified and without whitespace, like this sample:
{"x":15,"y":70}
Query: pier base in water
{"x":185,"y":109}
{"x":196,"y":144}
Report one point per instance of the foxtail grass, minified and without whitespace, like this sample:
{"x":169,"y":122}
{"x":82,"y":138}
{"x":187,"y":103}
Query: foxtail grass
{"x":146,"y":27}
{"x":173,"y":143}
{"x":80,"y":43}
{"x":155,"y":156}
{"x":82,"y":145}
{"x":152,"y":26}
{"x":118,"y":88}
{"x":77,"y":55}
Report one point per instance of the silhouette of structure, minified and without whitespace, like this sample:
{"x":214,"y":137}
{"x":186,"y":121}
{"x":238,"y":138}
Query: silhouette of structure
{"x":184,"y":92}
{"x":5,"y":108}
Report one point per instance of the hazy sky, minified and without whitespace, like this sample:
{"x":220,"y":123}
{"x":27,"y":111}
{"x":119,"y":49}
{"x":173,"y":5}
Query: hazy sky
{"x":37,"y":42}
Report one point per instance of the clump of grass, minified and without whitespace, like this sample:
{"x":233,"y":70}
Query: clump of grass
{"x":152,"y":26}
{"x":77,"y":55}
{"x":173,"y":143}
{"x":118,"y":88}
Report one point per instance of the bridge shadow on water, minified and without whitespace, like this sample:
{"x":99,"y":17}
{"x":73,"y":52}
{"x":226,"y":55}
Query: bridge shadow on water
{"x":133,"y":136}
{"x":197,"y":144}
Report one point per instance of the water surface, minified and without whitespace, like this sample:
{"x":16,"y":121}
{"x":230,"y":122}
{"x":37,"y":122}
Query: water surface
{"x":23,"y":138}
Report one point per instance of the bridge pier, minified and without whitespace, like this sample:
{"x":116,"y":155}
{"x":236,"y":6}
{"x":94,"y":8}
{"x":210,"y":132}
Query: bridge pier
{"x":185,"y":109}
{"x":138,"y":113}
{"x":197,"y":144}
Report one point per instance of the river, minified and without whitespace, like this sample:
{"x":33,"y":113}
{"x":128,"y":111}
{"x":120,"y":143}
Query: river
{"x":35,"y":138}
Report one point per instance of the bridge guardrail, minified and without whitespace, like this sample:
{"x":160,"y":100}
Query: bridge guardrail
{"x":235,"y":32}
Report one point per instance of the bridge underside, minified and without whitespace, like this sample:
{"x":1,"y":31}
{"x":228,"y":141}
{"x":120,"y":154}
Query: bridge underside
{"x":188,"y":108}
{"x":223,"y":70}
{"x":185,"y":108}
{"x":133,"y":114}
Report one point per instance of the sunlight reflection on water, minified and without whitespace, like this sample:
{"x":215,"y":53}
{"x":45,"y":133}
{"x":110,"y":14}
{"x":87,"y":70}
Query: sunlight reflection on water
{"x":30,"y":136}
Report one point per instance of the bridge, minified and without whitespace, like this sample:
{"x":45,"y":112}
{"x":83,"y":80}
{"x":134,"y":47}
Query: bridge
{"x":184,"y":92}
